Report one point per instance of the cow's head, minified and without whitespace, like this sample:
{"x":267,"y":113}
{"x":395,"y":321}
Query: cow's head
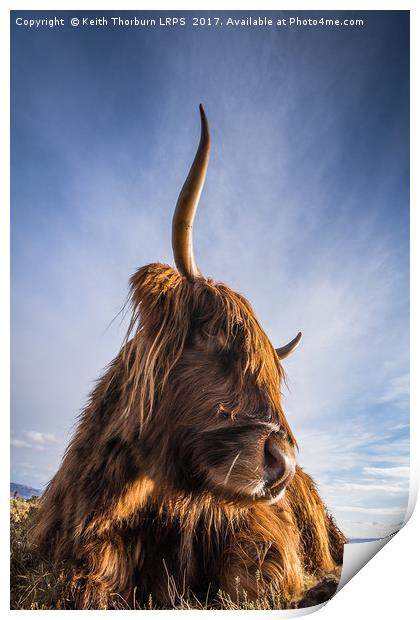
{"x":204,"y":376}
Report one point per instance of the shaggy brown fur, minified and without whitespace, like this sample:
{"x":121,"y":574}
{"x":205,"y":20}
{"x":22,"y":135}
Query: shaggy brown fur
{"x":160,"y":489}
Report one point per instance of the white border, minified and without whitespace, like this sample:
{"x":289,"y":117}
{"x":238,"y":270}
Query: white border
{"x":381,"y":588}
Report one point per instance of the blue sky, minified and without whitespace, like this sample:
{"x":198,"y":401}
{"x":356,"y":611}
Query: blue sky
{"x":305,"y":211}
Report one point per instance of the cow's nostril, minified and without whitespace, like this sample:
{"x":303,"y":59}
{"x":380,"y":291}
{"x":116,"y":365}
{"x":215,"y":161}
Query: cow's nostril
{"x":275,"y":462}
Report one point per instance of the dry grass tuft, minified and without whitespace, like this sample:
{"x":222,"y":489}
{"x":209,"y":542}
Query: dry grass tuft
{"x":36,"y":585}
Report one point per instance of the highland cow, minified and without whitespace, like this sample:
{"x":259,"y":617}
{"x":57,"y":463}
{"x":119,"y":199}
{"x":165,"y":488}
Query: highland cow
{"x":182,"y":473}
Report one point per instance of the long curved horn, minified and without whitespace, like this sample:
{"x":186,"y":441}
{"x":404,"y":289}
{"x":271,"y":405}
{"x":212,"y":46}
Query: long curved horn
{"x":283,"y":352}
{"x":183,"y":219}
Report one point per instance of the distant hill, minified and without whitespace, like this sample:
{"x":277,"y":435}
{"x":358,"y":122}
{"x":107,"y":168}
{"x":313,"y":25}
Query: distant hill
{"x":23,"y":491}
{"x":362,"y":540}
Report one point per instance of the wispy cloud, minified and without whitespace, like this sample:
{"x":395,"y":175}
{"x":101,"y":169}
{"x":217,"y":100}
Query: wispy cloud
{"x":33,"y":440}
{"x":397,"y":392}
{"x":369,"y":528}
{"x":368,"y":487}
{"x":385,"y":511}
{"x":392,"y":472}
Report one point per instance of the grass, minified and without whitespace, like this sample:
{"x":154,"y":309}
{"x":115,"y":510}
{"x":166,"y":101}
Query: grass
{"x":35,"y":584}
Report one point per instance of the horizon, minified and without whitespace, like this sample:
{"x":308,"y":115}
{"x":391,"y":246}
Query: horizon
{"x":305,"y":211}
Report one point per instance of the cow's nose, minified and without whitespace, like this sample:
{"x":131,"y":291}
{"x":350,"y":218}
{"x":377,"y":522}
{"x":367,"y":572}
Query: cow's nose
{"x":277,"y":464}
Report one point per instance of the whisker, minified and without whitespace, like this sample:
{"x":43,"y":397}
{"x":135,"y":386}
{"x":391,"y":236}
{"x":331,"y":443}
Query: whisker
{"x":231,"y":467}
{"x":256,"y":481}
